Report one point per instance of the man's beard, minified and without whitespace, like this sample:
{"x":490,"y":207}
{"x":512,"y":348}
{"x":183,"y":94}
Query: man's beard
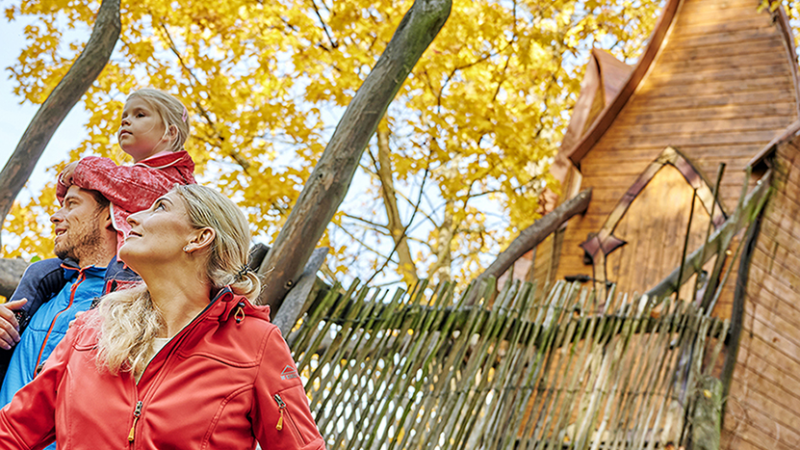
{"x":86,"y":244}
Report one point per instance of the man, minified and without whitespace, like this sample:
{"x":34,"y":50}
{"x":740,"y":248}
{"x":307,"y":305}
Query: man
{"x":87,"y":241}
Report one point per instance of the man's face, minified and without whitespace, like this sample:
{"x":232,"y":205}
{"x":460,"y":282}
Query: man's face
{"x":79,"y":225}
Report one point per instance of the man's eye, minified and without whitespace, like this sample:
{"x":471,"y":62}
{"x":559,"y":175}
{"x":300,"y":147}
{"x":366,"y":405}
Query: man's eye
{"x":158,"y":206}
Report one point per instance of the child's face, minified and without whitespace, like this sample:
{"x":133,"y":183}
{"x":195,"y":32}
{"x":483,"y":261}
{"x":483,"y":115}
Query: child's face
{"x":141,"y":132}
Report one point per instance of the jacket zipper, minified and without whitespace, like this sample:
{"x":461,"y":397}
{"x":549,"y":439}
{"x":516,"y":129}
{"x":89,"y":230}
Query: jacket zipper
{"x":81,"y":277}
{"x":136,"y":414}
{"x":293,"y":426}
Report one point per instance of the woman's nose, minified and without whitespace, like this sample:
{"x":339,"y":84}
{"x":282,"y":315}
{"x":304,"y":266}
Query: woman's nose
{"x":133,"y":219}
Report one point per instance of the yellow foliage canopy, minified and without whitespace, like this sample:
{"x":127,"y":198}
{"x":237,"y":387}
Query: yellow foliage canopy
{"x":479,"y":117}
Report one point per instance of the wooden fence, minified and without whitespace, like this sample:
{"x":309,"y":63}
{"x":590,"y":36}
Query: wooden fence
{"x":521,"y":370}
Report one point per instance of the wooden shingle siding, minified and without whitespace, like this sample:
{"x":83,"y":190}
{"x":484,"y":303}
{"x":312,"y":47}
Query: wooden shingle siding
{"x":721,"y":87}
{"x":765,"y":391}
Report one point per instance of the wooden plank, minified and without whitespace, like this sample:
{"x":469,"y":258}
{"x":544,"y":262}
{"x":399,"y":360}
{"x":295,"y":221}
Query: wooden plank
{"x":607,"y":154}
{"x":776,"y":286}
{"x":770,"y":43}
{"x":726,"y":37}
{"x":680,"y":140}
{"x":783,"y":330}
{"x":613,"y":181}
{"x":698,"y":6}
{"x":780,"y":269}
{"x":711,"y":89}
{"x":759,"y":430}
{"x":778,"y":386}
{"x":772,"y":124}
{"x":706,"y":26}
{"x":779,"y":342}
{"x":718,"y":15}
{"x":717,"y":63}
{"x":769,"y":70}
{"x":760,"y":352}
{"x":765,"y":96}
{"x":771,"y":414}
{"x":785,"y":109}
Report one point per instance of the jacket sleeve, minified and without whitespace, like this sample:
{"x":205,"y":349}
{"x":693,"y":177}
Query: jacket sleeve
{"x":281,"y":417}
{"x":132,"y":188}
{"x":28,"y":422}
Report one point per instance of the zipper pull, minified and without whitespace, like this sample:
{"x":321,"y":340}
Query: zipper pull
{"x":136,"y":413}
{"x":281,"y":407}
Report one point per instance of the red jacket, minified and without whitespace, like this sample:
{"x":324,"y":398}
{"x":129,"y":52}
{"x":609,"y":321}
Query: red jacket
{"x":133,"y":188}
{"x":224,"y":381}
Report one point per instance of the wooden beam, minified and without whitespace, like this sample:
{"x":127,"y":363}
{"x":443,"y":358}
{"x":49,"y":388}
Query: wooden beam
{"x":533,"y":236}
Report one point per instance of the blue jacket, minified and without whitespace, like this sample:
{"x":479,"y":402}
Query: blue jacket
{"x":56,"y":290}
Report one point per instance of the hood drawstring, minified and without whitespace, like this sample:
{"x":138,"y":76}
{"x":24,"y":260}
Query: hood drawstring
{"x":239,"y":314}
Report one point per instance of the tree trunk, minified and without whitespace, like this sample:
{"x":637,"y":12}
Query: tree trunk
{"x":407,"y":267}
{"x":59,"y":103}
{"x":331,"y":178}
{"x":11,"y":271}
{"x":533,"y":236}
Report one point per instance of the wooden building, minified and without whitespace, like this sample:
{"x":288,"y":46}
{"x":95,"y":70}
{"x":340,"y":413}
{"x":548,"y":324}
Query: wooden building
{"x":717,"y":84}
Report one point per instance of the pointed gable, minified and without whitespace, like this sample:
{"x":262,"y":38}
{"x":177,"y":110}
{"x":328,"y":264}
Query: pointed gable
{"x":718,"y":81}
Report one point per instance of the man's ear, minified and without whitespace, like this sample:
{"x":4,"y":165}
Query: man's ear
{"x":108,"y":221}
{"x":200,"y":239}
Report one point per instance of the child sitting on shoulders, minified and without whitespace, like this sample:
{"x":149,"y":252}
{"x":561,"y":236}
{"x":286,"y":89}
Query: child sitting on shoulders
{"x":153,"y":130}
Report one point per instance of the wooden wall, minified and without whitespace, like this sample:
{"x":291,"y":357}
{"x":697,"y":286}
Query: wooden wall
{"x":721,"y":87}
{"x":763,"y":408}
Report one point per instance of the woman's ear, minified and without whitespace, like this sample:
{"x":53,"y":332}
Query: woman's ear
{"x":200,"y":239}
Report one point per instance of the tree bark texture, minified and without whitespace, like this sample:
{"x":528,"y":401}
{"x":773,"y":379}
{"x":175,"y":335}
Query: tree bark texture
{"x":331,"y":178}
{"x":66,"y":94}
{"x":11,"y":271}
{"x":407,"y":267}
{"x":532,"y":236}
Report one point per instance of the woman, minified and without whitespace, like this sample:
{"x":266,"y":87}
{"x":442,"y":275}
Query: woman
{"x":182,"y":361}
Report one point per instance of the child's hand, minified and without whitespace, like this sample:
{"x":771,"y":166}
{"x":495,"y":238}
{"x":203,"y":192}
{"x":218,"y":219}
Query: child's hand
{"x":66,"y":174}
{"x":77,"y":316}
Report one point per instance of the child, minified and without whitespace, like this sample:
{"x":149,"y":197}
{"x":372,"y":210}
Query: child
{"x":153,"y":129}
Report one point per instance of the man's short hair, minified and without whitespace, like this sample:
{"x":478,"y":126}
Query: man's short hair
{"x":102,"y":202}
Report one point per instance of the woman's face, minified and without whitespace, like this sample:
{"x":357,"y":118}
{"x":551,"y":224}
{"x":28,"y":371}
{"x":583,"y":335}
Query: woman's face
{"x":159,"y":234}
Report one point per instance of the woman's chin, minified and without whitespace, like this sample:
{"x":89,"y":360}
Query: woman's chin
{"x":129,"y":256}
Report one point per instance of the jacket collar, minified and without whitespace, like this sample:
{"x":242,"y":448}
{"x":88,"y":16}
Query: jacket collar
{"x":225,"y":306}
{"x":72,"y":269}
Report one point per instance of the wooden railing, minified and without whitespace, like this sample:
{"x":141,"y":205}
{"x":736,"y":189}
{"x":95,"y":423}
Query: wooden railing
{"x":518,"y":370}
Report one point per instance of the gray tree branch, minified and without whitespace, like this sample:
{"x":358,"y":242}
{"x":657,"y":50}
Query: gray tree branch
{"x":331,"y":178}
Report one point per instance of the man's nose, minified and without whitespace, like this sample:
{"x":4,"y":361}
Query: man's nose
{"x":56,"y":217}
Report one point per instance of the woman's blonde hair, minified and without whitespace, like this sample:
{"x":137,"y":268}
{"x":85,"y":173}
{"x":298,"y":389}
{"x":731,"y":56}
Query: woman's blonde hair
{"x":171,"y":110}
{"x":129,"y":322}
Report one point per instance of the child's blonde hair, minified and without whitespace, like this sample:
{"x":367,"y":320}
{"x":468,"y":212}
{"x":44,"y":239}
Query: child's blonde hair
{"x":170,"y":109}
